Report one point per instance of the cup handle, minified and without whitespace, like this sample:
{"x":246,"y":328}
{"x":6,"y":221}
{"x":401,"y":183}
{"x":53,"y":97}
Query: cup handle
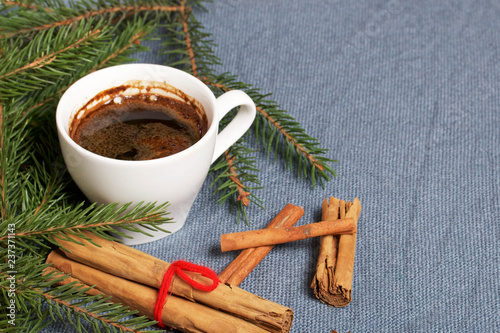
{"x":239,"y":124}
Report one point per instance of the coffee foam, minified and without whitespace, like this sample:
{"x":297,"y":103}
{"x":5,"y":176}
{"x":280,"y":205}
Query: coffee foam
{"x":136,"y":87}
{"x":182,"y":107}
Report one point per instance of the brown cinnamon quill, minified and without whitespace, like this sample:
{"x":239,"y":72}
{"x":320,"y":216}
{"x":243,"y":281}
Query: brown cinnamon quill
{"x":248,"y":259}
{"x":332,"y":283}
{"x":263,"y":237}
{"x":325,"y":268}
{"x":344,"y":271}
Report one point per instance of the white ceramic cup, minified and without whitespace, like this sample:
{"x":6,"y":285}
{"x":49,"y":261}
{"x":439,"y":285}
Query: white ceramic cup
{"x":176,"y":179}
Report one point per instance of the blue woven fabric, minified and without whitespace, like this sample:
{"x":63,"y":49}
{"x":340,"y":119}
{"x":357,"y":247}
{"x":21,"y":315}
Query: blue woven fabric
{"x":405,"y":96}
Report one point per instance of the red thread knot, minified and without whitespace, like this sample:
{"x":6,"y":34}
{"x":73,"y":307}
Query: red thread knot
{"x":179,"y":267}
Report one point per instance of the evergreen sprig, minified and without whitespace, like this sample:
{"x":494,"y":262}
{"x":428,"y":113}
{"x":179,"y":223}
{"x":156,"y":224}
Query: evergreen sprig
{"x":275,"y":129}
{"x":279,"y":133}
{"x":236,"y":178}
{"x":44,"y":47}
{"x":38,"y":301}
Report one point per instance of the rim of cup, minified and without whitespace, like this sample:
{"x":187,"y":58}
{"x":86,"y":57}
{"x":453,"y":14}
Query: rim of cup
{"x":62,"y":122}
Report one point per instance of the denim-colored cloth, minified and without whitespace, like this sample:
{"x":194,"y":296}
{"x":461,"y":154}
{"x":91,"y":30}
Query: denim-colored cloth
{"x":405,"y":96}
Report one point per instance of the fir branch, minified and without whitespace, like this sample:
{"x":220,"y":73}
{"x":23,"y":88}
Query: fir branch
{"x":50,"y":220}
{"x":233,"y":175}
{"x":21,"y":4}
{"x":90,"y":314}
{"x":34,"y":287}
{"x":185,"y":13}
{"x":33,"y":66}
{"x":235,"y":171}
{"x":3,"y":163}
{"x":69,"y":16}
{"x":234,"y":178}
{"x":187,"y":46}
{"x":48,"y":58}
{"x":14,"y":153}
{"x":293,"y":139}
{"x":117,"y":51}
{"x":272,"y":122}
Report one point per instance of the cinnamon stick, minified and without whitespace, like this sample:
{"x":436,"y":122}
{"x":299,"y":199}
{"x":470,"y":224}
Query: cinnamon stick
{"x":248,"y":259}
{"x":262,"y":237}
{"x":178,"y":313}
{"x":68,"y":280}
{"x":344,"y":269}
{"x":325,"y":267}
{"x":129,"y":263}
{"x":332,"y":283}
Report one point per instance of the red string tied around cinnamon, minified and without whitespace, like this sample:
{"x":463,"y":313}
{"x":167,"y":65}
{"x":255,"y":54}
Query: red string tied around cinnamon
{"x":179,"y":267}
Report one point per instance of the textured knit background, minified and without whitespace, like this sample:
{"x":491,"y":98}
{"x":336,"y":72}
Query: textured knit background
{"x":405,"y":94}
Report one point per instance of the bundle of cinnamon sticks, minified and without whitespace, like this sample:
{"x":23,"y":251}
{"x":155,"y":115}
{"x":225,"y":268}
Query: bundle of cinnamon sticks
{"x":132,"y":278}
{"x":332,"y":283}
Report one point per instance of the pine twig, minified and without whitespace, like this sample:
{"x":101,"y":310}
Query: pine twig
{"x":47,"y":59}
{"x":185,"y":12}
{"x":293,"y":135}
{"x":2,"y":166}
{"x":233,"y":177}
{"x":243,"y":193}
{"x":33,"y":65}
{"x":76,"y":17}
{"x":71,"y":303}
{"x":23,"y":5}
{"x":45,"y":225}
{"x":116,"y":53}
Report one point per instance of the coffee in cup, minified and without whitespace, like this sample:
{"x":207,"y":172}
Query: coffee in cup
{"x":139,"y":120}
